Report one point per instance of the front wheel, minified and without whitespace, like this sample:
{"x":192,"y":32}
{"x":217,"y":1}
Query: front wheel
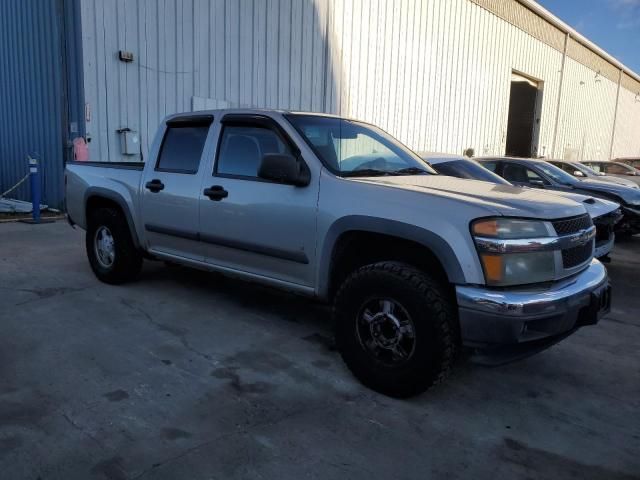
{"x":395,"y":328}
{"x":112,"y":254}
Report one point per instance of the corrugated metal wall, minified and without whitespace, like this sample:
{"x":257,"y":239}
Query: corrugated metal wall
{"x":267,"y":53}
{"x":435,"y":74}
{"x":30,"y":98}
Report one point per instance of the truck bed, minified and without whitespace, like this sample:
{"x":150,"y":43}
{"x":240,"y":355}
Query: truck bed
{"x":119,"y":165}
{"x":117,"y":181}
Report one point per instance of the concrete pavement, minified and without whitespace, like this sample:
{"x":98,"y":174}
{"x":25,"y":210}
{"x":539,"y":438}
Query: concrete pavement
{"x":185,"y":374}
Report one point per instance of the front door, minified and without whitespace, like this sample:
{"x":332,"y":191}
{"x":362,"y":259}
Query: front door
{"x":252,"y":225}
{"x":170,"y":198}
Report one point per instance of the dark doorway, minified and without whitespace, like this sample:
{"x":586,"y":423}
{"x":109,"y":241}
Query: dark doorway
{"x":522,"y":126}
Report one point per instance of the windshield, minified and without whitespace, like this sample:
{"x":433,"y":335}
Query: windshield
{"x":468,"y":169}
{"x":351,"y":148}
{"x":556,"y":174}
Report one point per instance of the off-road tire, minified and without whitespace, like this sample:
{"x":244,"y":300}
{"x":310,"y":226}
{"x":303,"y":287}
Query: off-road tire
{"x":128,"y":259}
{"x":433,"y":317}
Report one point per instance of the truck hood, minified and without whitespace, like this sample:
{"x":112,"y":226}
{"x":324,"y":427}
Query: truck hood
{"x":502,"y":199}
{"x":628,"y":194}
{"x":616,"y":180}
{"x":596,"y":207}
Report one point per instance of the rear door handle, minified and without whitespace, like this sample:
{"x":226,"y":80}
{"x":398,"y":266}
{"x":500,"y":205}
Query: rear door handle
{"x":216,"y":192}
{"x":154,"y":185}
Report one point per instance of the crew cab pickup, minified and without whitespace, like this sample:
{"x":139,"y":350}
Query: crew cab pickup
{"x":417,"y":265}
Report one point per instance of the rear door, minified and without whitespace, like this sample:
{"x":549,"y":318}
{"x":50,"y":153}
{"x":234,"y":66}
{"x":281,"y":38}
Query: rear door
{"x":254,"y":225}
{"x":170,"y":189}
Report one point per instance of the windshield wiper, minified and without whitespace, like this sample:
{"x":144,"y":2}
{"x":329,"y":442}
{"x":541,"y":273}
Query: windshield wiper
{"x":410,"y":171}
{"x":367,"y":172}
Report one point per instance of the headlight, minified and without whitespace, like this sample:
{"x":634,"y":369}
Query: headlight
{"x":509,"y":228}
{"x":514,"y":251}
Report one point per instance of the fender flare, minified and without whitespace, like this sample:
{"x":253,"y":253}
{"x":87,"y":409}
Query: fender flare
{"x":434,"y":242}
{"x":118,"y":200}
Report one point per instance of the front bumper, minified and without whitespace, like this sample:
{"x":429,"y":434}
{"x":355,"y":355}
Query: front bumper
{"x":630,"y":222}
{"x":491,"y":319}
{"x":604,"y":247}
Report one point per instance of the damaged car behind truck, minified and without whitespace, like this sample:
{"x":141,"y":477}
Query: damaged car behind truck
{"x":416,"y":265}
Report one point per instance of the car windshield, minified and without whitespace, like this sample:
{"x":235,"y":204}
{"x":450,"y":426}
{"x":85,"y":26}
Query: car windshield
{"x":556,"y":173}
{"x":350,"y":148}
{"x":468,"y":169}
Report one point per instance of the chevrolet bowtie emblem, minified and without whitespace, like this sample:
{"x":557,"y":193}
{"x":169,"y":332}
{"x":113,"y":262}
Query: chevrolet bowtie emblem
{"x":582,"y":237}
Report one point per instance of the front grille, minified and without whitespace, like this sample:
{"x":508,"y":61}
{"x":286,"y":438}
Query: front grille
{"x":572,"y":257}
{"x":567,"y":226}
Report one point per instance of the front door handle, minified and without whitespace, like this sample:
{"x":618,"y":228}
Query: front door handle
{"x":154,"y":185}
{"x":216,"y":192}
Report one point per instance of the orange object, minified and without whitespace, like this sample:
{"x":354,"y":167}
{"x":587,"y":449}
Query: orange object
{"x":487,"y":228}
{"x":493,"y":267}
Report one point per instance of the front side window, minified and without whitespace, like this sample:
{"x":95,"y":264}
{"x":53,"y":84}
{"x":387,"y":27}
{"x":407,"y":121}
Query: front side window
{"x":242,"y":149}
{"x":350,"y":148}
{"x":596,"y":167}
{"x":182,"y":149}
{"x":556,"y":174}
{"x":517,"y":173}
{"x":564,"y":166}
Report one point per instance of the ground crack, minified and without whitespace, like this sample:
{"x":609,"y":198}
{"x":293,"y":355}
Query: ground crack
{"x":81,"y":429}
{"x":180,"y":336}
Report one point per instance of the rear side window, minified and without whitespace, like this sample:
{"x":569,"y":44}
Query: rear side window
{"x":490,"y":166}
{"x":617,"y":169}
{"x":242,"y":149}
{"x":182,"y":148}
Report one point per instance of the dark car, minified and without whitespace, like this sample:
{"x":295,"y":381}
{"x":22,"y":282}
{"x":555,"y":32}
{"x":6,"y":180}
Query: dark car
{"x":582,"y":171}
{"x":614,"y":169}
{"x":540,"y":174}
{"x":633,"y":162}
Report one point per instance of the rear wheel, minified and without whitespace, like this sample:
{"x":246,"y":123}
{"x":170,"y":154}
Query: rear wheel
{"x":112,"y":254}
{"x":395,"y":328}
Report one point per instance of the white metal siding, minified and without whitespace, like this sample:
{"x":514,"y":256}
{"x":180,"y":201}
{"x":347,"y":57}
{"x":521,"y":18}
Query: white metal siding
{"x":435,"y":74}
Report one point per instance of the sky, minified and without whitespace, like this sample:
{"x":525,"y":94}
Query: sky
{"x":613,"y":25}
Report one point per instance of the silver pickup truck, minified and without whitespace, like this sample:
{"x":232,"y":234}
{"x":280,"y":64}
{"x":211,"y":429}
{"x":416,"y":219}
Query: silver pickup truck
{"x":417,"y":265}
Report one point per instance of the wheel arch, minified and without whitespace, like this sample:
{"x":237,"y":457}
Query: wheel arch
{"x":357,"y":240}
{"x":98,"y":197}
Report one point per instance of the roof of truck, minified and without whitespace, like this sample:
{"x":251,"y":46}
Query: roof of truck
{"x":254,"y":111}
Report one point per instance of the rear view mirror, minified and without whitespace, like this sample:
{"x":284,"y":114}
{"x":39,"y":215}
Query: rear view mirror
{"x":578,"y":173}
{"x":283,"y":168}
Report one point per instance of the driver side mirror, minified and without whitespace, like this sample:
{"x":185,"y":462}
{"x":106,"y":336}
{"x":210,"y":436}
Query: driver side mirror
{"x":536,"y":183}
{"x":578,"y":173}
{"x":284,"y":168}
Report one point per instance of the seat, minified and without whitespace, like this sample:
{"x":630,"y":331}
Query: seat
{"x":240,"y":156}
